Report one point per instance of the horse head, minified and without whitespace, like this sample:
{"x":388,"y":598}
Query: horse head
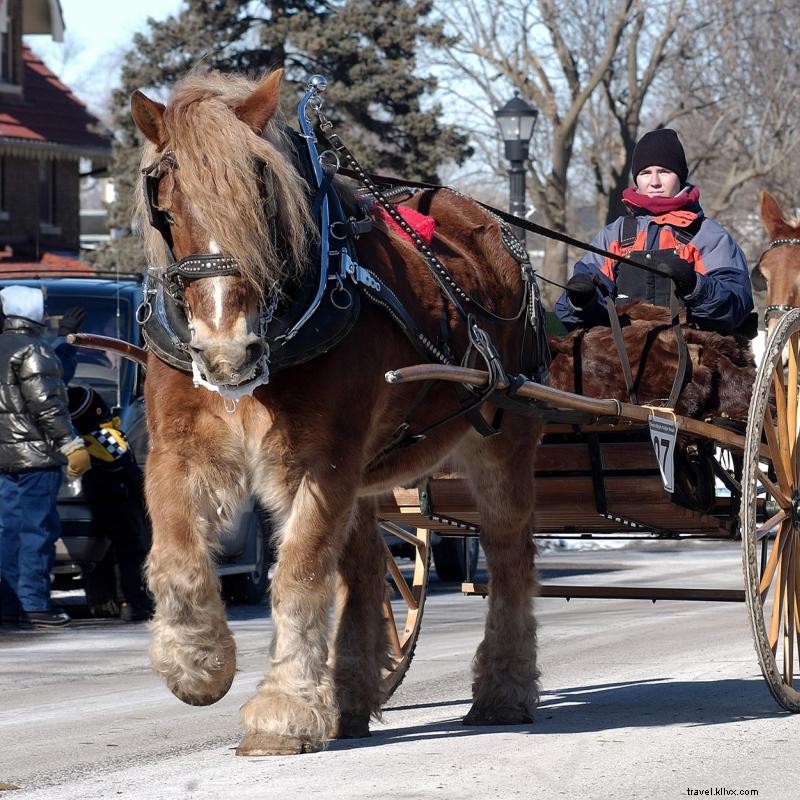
{"x":777,"y":270}
{"x":229,"y":221}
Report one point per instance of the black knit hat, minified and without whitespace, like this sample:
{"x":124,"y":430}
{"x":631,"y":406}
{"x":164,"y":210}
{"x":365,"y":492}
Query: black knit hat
{"x":86,"y":409}
{"x":660,"y":148}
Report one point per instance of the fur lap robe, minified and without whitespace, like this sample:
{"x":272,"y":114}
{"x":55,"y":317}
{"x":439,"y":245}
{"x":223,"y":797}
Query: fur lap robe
{"x":720,"y":372}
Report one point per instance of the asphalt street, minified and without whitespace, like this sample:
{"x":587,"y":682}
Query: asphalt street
{"x":640,"y":700}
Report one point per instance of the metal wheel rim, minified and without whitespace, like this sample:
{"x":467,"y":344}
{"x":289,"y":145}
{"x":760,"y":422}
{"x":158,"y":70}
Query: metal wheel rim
{"x":771,"y":551}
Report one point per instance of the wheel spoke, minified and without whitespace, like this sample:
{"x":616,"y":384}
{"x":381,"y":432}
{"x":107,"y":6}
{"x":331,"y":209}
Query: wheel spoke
{"x":797,"y":603}
{"x":394,"y":639}
{"x":783,"y":413}
{"x":780,"y":458}
{"x":777,"y":494}
{"x":791,"y":407}
{"x":788,"y":614}
{"x":791,"y":390}
{"x":775,"y":617}
{"x":770,"y":524}
{"x":778,"y":600}
{"x":774,"y":556}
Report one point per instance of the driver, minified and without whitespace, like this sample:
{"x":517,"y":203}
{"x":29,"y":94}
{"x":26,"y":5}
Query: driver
{"x":666,"y":223}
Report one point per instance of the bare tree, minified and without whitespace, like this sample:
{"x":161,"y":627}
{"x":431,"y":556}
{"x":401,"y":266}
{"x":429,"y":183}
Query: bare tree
{"x":660,"y":37}
{"x":744,"y":130}
{"x":590,"y":69}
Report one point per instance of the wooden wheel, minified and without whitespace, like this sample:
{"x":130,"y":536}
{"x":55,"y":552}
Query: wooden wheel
{"x":405,"y":619}
{"x":771,"y":480}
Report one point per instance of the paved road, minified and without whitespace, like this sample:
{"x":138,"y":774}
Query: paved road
{"x":640,"y":701}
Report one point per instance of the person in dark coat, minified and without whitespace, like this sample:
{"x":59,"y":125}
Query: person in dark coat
{"x":114,"y":489}
{"x":665,"y":220}
{"x":36,"y":440}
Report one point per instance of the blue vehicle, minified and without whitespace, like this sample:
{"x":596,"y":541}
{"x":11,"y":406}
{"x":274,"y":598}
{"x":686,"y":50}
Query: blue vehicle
{"x":82,"y":560}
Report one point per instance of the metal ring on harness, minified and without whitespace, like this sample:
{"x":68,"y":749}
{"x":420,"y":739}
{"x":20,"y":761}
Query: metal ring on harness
{"x":326,"y":163}
{"x":340,"y":289}
{"x":340,"y":237}
{"x":144,"y":312}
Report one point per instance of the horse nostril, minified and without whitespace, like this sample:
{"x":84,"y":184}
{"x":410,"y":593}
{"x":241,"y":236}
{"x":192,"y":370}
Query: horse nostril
{"x":254,"y":352}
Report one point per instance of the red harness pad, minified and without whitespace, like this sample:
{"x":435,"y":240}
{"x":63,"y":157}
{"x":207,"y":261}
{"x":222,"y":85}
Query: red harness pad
{"x":423,"y":225}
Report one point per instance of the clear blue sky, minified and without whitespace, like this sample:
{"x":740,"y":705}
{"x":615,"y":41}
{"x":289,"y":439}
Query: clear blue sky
{"x":97,"y":33}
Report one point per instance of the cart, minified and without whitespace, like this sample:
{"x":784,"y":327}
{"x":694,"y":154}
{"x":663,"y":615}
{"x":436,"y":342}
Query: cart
{"x":599,"y":465}
{"x":599,"y":461}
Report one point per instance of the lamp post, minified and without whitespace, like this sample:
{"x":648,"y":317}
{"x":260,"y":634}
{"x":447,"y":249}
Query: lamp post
{"x":516,"y":120}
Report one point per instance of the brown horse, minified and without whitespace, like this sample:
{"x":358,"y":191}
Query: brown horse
{"x":313,"y":444}
{"x":777,"y":272}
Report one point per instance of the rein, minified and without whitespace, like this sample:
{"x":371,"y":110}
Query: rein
{"x":517,"y":222}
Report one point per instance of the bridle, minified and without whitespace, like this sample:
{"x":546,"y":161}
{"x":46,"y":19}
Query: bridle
{"x":778,"y":310}
{"x":176,"y":276}
{"x":179,"y":272}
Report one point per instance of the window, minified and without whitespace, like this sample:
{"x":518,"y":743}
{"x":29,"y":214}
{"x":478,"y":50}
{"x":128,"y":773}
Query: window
{"x":47,"y":192}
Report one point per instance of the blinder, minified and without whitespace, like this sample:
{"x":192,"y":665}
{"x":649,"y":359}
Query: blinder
{"x":158,"y":217}
{"x":194,"y":267}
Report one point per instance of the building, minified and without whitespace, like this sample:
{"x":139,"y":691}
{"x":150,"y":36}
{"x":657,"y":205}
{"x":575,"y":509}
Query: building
{"x":45,"y":132}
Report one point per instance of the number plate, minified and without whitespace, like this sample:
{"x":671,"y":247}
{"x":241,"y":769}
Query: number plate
{"x":663,"y":433}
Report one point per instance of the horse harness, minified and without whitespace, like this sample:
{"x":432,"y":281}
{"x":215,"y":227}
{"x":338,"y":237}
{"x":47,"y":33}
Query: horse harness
{"x":310,"y":318}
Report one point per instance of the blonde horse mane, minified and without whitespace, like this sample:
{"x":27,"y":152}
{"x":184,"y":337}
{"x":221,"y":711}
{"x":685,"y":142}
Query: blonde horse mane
{"x":217,"y":156}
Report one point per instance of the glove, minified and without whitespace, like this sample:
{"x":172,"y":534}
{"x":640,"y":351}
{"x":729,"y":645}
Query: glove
{"x":681,"y":272}
{"x":71,"y":320}
{"x":78,"y":462}
{"x":581,"y":291}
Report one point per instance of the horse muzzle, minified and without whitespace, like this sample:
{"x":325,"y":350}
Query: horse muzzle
{"x":228,"y":366}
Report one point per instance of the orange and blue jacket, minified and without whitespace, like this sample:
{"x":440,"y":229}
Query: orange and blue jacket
{"x":722,"y":298}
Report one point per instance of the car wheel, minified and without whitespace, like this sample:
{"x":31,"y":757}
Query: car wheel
{"x":448,"y":558}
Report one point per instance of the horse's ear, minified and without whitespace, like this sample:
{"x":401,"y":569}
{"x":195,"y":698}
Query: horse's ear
{"x":771,"y":214}
{"x":149,"y":117}
{"x":259,"y":107}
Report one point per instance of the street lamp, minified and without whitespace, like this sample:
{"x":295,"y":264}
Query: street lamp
{"x":516,"y":120}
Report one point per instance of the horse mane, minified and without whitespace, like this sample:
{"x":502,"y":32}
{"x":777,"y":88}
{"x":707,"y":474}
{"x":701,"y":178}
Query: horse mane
{"x":218,"y":157}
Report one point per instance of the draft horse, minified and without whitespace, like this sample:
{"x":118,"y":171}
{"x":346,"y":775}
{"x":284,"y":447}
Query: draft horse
{"x":317,"y":441}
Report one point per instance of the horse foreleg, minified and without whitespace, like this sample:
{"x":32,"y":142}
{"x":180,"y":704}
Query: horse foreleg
{"x":294,"y":709}
{"x":361,"y":642}
{"x":192,"y":647}
{"x":505,"y":674}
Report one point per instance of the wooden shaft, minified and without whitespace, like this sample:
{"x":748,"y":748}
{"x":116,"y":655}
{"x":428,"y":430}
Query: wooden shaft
{"x":565,"y":400}
{"x":97,"y":342}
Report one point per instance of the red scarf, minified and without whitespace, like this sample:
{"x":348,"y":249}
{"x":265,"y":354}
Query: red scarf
{"x":660,"y":205}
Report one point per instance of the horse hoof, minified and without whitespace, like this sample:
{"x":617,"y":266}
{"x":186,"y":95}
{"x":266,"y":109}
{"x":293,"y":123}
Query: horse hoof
{"x":352,"y":726}
{"x":201,"y":699}
{"x":500,"y":716}
{"x":270,"y":744}
{"x":213,"y":689}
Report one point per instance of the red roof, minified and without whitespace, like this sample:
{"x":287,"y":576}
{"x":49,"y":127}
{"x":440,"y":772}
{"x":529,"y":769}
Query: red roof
{"x":51,"y":264}
{"x":48,"y":112}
